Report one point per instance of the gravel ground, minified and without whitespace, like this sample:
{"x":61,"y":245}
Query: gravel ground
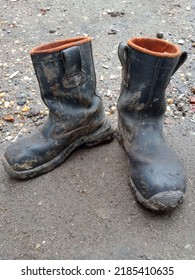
{"x":25,"y":24}
{"x":47,"y":217}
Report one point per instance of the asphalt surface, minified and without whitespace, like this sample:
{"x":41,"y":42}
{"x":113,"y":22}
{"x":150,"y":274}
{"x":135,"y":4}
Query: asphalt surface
{"x":84,"y":209}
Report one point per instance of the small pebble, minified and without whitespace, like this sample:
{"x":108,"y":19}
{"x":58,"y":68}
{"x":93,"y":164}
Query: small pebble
{"x":168,"y":109}
{"x":170,"y":101}
{"x":113,"y":77}
{"x":9,"y":118}
{"x":9,"y":138}
{"x":117,"y":14}
{"x":6,"y":104}
{"x":188,"y":247}
{"x":21,"y":102}
{"x":26,"y":78}
{"x":2,"y":94}
{"x":160,"y":35}
{"x":52,"y":31}
{"x":108,"y":94}
{"x":25,"y":109}
{"x":112,"y":31}
{"x":192,"y":100}
{"x":34,"y":112}
{"x":181,"y":42}
{"x":180,"y":106}
{"x":112,"y":109}
{"x":193,"y":90}
{"x":37,"y":246}
{"x":43,"y":11}
{"x":14,"y":74}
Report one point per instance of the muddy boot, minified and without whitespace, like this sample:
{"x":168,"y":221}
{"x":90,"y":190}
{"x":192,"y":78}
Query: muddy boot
{"x":66,"y":76}
{"x":156,"y":173}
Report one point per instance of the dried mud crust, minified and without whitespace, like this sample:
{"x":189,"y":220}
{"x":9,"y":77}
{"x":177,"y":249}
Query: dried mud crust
{"x":163,"y":201}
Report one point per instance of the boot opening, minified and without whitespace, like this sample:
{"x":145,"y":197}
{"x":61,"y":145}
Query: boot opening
{"x":59,"y":45}
{"x":156,"y":47}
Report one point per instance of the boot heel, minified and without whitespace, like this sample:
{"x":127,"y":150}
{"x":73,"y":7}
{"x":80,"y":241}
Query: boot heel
{"x":105,"y":133}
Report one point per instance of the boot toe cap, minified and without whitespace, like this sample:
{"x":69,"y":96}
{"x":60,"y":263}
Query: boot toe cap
{"x":16,"y":161}
{"x":158,"y":197}
{"x":162,"y":201}
{"x":24,"y":155}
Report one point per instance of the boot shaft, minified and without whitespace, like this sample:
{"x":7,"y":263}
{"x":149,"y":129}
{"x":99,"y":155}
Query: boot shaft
{"x":148,"y":65}
{"x":65,"y":72}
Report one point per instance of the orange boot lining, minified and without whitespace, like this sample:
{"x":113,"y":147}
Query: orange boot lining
{"x":59,"y":45}
{"x":155,"y":47}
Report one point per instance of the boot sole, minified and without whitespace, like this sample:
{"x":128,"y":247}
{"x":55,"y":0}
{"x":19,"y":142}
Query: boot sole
{"x":104,"y":134}
{"x":164,"y":201}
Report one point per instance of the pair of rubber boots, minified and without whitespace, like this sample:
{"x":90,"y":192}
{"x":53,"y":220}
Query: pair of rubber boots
{"x":66,"y":76}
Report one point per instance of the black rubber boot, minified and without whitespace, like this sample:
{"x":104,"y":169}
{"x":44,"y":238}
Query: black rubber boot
{"x":156,"y":173}
{"x":66,"y":76}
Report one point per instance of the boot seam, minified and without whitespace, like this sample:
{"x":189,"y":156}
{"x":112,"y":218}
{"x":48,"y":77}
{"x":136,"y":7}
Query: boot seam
{"x":151,"y":93}
{"x":96,"y":113}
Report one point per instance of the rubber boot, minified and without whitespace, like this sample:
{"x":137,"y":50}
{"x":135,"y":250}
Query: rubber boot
{"x":156,"y":174}
{"x":66,"y":76}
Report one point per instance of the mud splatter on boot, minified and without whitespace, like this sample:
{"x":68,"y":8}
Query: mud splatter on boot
{"x":156,"y":173}
{"x":66,"y":76}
